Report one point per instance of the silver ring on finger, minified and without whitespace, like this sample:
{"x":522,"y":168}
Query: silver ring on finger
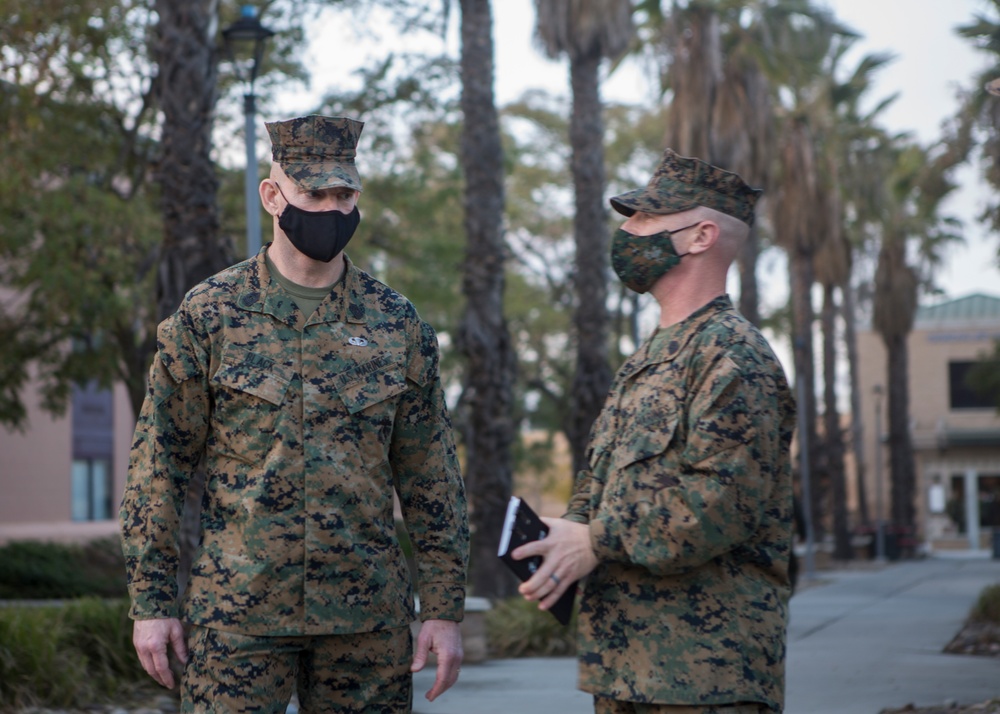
{"x":555,"y":579}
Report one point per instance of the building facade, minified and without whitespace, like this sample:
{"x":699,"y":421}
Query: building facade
{"x":62,"y":477}
{"x":955,"y":431}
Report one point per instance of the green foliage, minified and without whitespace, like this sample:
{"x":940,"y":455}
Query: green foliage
{"x":60,"y":656}
{"x":517,"y":628}
{"x":79,"y":221}
{"x":987,"y":607}
{"x":32,"y":570}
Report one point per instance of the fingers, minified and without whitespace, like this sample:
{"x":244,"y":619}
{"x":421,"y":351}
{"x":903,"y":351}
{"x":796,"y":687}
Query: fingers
{"x":546,"y":586}
{"x":420,"y":654}
{"x":444,"y":639}
{"x":151,"y":639}
{"x":177,"y":641}
{"x":448,"y":668}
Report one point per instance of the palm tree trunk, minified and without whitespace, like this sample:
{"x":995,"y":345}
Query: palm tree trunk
{"x":749,"y":303}
{"x":857,"y":421}
{"x":801,"y":277}
{"x":591,"y":319}
{"x":483,"y":336}
{"x":831,"y":426}
{"x":902,"y":479}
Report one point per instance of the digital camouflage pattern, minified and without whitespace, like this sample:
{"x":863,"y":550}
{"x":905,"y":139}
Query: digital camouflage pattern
{"x":681,"y":183}
{"x":603,"y":705}
{"x":364,"y":673}
{"x":316,"y":151}
{"x":303,"y":425}
{"x":640,"y":261}
{"x":689,"y":502}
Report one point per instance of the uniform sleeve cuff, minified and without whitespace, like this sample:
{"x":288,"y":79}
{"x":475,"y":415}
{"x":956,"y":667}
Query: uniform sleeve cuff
{"x":150,"y":602}
{"x":604,"y":540}
{"x":442,"y":601}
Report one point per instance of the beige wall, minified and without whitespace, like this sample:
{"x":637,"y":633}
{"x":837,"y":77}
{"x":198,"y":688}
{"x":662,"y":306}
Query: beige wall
{"x":35,"y":474}
{"x":931,"y":347}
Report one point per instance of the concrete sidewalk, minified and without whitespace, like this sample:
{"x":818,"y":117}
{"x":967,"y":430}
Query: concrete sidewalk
{"x":858,"y":641}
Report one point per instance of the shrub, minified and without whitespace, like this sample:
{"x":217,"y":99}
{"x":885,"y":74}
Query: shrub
{"x":517,"y":628}
{"x":31,"y":570}
{"x":72,"y":655}
{"x":35,"y":668}
{"x":987,"y":607}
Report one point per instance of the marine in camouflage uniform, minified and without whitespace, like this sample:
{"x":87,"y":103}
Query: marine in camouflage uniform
{"x":688,"y":499}
{"x":305,"y":423}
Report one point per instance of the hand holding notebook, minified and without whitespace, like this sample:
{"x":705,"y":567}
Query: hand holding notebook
{"x":522,"y":525}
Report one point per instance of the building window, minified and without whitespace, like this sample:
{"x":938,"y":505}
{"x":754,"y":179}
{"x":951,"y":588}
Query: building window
{"x":989,"y":501}
{"x":961,"y":394}
{"x":91,"y":483}
{"x":91,"y":478}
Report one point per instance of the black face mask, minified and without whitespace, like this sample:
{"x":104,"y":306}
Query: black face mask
{"x":320,"y":235}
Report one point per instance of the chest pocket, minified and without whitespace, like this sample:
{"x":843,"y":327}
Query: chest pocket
{"x":248,"y":392}
{"x":370,"y":393}
{"x":648,"y":438}
{"x":371,"y":383}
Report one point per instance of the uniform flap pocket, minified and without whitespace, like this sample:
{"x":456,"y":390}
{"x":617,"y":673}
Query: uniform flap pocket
{"x":253,"y":373}
{"x":370,"y":383}
{"x":650,"y":438}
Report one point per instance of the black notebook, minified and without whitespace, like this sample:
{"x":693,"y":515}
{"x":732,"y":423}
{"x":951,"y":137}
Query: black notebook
{"x":522,"y":525}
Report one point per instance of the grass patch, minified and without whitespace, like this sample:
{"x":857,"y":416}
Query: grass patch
{"x":72,"y":655}
{"x":31,"y":570}
{"x":987,"y":607}
{"x":517,"y":628}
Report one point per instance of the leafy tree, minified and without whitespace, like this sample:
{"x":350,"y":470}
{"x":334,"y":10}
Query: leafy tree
{"x":81,"y":236}
{"x":78,"y":229}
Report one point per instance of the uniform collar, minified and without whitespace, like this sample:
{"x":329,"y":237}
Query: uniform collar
{"x":260,"y":294}
{"x":667,"y":342}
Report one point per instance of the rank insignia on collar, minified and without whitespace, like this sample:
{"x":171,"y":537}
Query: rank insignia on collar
{"x":357,"y":341}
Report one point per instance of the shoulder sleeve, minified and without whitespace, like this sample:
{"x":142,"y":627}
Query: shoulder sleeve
{"x":430,"y":485}
{"x":166,"y":452}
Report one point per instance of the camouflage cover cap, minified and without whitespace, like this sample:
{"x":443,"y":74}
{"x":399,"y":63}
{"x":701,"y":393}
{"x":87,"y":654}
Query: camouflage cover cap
{"x":681,"y":183}
{"x":316,"y":151}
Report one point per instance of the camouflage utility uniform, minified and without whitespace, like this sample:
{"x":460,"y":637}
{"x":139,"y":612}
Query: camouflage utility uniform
{"x":689,"y":502}
{"x":303,"y":424}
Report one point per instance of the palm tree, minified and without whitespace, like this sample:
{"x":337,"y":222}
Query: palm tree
{"x":983,"y":109}
{"x":842,"y":130}
{"x":914,"y":234}
{"x":832,"y":271}
{"x":487,"y":399}
{"x":794,"y":218}
{"x":587,"y":31}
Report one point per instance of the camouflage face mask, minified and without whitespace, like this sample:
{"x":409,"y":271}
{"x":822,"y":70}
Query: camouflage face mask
{"x":640,"y":261}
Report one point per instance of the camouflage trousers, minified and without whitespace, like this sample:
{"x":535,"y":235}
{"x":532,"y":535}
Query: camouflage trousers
{"x":364,"y":673}
{"x":603,"y":705}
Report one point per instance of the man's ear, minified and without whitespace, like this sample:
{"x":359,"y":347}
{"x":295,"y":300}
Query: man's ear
{"x":705,"y":237}
{"x":269,"y":196}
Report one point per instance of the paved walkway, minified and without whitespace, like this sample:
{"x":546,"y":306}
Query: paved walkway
{"x":858,"y":641}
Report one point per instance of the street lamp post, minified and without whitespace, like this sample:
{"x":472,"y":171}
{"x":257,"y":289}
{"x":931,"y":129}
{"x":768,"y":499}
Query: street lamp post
{"x":248,"y":32}
{"x":879,"y":522}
